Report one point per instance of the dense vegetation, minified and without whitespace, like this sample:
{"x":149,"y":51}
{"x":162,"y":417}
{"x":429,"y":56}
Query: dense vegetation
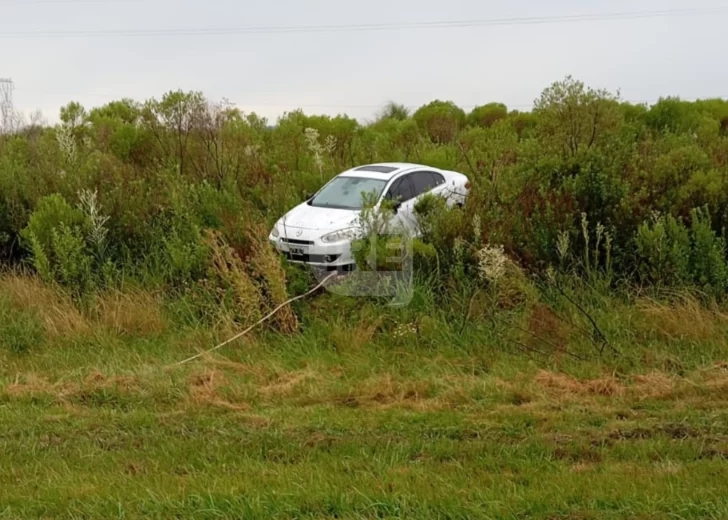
{"x":584,"y":182}
{"x":563,"y":354}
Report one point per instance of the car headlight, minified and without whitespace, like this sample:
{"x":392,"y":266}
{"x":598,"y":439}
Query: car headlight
{"x":275,"y":233}
{"x":341,"y":235}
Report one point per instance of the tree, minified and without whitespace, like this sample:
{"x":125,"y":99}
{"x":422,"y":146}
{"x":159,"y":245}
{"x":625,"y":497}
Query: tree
{"x":289,"y":135}
{"x":440,"y":120}
{"x":175,"y":114}
{"x":73,"y":115}
{"x":673,"y":114}
{"x":487,"y":115}
{"x":340,"y":132}
{"x":212,"y":124}
{"x":393,"y":110}
{"x":126,"y":111}
{"x":115,"y":128}
{"x":573,"y":118}
{"x":74,"y":119}
{"x":489,"y":151}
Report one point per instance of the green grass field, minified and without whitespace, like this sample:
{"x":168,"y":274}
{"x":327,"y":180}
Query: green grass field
{"x":343,"y":421}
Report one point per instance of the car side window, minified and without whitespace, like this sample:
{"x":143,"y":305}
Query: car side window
{"x":393,"y":190}
{"x":424,"y":182}
{"x":439,"y":179}
{"x":402,"y":190}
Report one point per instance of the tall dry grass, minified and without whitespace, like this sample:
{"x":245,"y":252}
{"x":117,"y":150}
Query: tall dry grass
{"x":135,"y":312}
{"x":266,"y":265}
{"x":248,"y":292}
{"x":55,"y":309}
{"x":230,"y":277}
{"x":683,"y":318}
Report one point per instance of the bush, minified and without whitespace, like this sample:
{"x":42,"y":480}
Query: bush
{"x":670,"y":253}
{"x":51,"y":213}
{"x":663,"y":251}
{"x":487,"y":115}
{"x":440,"y":120}
{"x":167,"y":172}
{"x":708,"y":260}
{"x":56,"y":237}
{"x":447,"y":230}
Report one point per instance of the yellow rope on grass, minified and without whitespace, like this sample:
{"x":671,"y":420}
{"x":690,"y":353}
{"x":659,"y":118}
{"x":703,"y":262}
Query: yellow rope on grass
{"x":262,"y":320}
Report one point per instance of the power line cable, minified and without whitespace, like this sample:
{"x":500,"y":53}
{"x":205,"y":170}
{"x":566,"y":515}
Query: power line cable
{"x":296,"y":29}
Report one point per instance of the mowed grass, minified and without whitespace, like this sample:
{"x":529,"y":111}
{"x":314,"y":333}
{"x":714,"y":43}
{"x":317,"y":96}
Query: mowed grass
{"x":343,"y":421}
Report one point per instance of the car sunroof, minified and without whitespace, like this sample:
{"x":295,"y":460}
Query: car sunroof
{"x":376,"y":169}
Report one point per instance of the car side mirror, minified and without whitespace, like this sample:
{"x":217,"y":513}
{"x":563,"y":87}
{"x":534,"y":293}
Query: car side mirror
{"x":396,"y":206}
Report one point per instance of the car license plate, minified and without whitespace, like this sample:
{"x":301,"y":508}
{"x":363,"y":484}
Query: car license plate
{"x":298,"y":250}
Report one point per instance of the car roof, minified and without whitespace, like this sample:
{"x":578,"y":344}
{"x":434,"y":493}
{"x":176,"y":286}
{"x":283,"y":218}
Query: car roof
{"x":383,"y":171}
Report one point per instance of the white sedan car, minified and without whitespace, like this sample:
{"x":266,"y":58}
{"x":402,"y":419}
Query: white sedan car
{"x":320,"y":231}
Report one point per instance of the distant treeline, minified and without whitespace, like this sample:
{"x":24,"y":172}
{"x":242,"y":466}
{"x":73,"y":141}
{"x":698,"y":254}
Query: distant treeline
{"x":161,"y":192}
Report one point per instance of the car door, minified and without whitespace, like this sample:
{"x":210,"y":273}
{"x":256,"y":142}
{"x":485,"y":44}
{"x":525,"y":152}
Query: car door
{"x":442,"y":189}
{"x":427,"y":182}
{"x":402,"y":191}
{"x":423,"y":183}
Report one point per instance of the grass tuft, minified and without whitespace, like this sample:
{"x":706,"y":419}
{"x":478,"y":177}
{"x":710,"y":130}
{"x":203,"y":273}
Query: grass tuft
{"x":684,"y":318}
{"x":135,"y":313}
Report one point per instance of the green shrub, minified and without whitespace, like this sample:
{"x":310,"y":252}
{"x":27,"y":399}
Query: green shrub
{"x":440,"y":120}
{"x":51,"y":213}
{"x":451,"y":235}
{"x":72,"y":260}
{"x":6,"y":230}
{"x":663,"y":251}
{"x":708,"y":260}
{"x":487,"y":115}
{"x":184,"y":255}
{"x":170,"y":170}
{"x":57,"y":238}
{"x":670,"y":253}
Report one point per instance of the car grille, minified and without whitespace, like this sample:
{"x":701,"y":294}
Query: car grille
{"x":313,"y":259}
{"x":297,"y":242}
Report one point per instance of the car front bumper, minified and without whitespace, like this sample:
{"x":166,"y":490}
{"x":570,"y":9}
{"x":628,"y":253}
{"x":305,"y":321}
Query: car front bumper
{"x":312,"y":251}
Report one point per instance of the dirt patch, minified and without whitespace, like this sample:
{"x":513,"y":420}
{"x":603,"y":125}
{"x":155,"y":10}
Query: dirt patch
{"x":33,"y":385}
{"x":564,"y":385}
{"x":716,"y":378}
{"x":205,"y":390}
{"x":387,"y":392}
{"x":654,"y":385}
{"x":288,"y":384}
{"x":258,"y":371}
{"x":582,"y":467}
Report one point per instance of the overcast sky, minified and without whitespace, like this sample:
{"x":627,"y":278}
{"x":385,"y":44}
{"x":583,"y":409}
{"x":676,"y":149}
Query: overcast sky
{"x":355,"y":72}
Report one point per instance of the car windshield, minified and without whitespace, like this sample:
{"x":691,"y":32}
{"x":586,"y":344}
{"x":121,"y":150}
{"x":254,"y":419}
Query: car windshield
{"x":346,"y":192}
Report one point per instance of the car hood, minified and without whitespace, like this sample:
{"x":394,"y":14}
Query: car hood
{"x":320,"y":219}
